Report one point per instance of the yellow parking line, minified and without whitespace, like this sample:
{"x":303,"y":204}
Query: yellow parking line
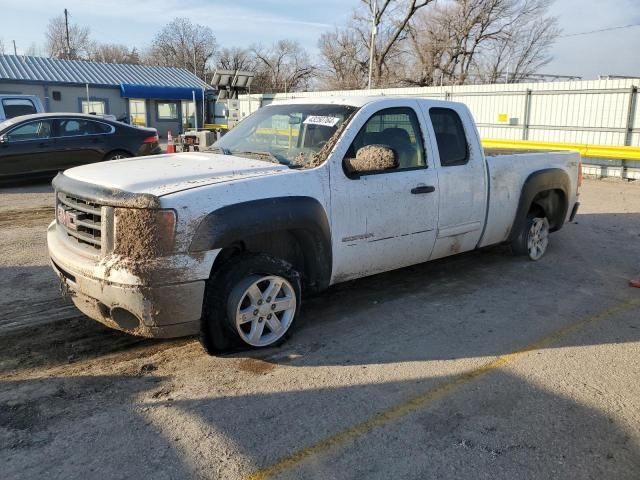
{"x":424,"y":399}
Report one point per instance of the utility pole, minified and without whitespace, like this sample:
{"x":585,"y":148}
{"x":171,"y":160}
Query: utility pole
{"x":374,"y":31}
{"x":15,"y":50}
{"x":66,"y":26}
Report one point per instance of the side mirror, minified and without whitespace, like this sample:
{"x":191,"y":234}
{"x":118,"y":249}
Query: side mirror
{"x":372,"y":158}
{"x":3,"y":139}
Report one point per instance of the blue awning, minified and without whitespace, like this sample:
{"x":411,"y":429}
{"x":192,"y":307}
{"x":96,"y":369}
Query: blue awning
{"x":159,"y":92}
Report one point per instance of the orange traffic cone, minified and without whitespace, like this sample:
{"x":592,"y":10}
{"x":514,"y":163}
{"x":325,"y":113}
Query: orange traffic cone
{"x":170,"y":147}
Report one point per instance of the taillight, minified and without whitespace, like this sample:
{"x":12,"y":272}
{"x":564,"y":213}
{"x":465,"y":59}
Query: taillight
{"x":579,"y":174}
{"x":151,"y":139}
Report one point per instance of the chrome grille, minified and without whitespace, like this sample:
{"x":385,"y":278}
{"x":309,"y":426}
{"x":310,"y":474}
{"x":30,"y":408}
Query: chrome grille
{"x":81,"y":219}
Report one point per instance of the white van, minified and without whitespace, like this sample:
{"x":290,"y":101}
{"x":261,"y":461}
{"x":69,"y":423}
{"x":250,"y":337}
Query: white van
{"x":16,"y":105}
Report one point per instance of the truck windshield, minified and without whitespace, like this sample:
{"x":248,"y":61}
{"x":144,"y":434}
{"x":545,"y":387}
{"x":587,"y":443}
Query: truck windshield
{"x":292,"y":134}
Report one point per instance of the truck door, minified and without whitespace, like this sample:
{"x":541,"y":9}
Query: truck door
{"x":462,"y":180}
{"x":383,"y":220}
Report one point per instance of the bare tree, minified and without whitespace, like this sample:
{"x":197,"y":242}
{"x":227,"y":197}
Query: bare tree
{"x":345,"y":53}
{"x":343,"y":60}
{"x":79,"y":46}
{"x":392,"y":19}
{"x":454,"y":41}
{"x":521,"y":51}
{"x":236,"y":58}
{"x":114,"y":53}
{"x":185,"y":45}
{"x":285,"y":65}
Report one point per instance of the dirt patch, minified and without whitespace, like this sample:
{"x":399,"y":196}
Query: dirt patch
{"x":255,"y":366}
{"x":26,"y":218}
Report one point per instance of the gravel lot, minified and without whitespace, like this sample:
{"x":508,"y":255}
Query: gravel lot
{"x":478,"y":366}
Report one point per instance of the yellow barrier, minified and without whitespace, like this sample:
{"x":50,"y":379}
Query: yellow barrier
{"x":586,"y":150}
{"x":213,"y":126}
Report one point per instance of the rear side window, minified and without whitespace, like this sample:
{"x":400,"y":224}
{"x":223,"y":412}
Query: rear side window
{"x":14,"y":107}
{"x":75,"y":127}
{"x":452,"y":142}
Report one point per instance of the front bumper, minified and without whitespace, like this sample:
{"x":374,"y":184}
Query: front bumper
{"x":169,"y":309}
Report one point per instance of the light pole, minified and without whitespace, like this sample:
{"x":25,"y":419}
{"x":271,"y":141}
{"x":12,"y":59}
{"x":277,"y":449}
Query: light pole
{"x":374,"y":30}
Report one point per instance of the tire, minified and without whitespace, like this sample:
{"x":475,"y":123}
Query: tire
{"x":533,"y":239}
{"x":116,"y":155}
{"x":237,"y":316}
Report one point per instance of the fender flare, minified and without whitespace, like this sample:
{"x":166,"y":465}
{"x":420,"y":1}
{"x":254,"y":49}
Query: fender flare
{"x":540,"y":181}
{"x":305,"y":217}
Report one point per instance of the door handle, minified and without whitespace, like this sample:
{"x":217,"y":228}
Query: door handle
{"x":423,"y":189}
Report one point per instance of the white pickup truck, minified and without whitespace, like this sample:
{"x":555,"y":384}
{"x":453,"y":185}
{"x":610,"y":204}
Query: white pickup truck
{"x":299,"y":196}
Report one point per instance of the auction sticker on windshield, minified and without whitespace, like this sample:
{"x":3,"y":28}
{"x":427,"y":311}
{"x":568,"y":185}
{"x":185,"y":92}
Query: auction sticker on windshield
{"x":321,"y":120}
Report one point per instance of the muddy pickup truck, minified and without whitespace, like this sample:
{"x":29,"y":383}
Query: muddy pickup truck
{"x":300,"y":195}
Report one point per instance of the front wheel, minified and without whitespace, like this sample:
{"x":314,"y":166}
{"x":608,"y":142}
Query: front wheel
{"x":252,"y":302}
{"x":534,"y":238}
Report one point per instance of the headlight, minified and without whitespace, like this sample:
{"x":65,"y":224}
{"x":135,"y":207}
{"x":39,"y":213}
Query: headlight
{"x":141,"y":234}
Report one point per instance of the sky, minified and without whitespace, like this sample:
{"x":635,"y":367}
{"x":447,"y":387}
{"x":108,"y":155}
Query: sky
{"x":244,"y":22}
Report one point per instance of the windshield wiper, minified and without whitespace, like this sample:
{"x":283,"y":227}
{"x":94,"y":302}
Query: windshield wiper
{"x":270,"y":156}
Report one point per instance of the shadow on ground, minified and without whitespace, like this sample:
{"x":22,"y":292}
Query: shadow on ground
{"x":126,"y":427}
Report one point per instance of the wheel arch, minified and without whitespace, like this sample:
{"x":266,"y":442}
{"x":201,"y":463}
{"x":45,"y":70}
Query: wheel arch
{"x":295,"y":229}
{"x":547,"y":190}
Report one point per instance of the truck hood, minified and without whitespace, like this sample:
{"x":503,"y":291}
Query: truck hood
{"x":164,"y":174}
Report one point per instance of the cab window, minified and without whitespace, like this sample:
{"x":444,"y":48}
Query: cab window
{"x":397,"y":128}
{"x":450,"y":137}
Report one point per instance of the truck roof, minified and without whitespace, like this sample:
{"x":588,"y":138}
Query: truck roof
{"x":354,"y":101}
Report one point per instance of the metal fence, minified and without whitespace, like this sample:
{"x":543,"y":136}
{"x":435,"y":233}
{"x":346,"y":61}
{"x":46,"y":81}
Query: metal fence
{"x":601,"y":112}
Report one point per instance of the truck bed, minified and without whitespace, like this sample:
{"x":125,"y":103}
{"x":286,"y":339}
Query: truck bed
{"x":507,"y":171}
{"x":495,"y":152}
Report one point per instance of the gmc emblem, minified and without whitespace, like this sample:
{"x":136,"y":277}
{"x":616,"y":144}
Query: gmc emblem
{"x":67,"y":218}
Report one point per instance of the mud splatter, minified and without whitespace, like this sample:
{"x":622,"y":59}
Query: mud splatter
{"x":137,"y":237}
{"x":372,"y":158}
{"x":315,"y":159}
{"x":138,"y":241}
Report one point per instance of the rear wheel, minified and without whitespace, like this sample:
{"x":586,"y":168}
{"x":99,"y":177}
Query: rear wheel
{"x":118,"y":154}
{"x":252,"y":301}
{"x":533,"y":240}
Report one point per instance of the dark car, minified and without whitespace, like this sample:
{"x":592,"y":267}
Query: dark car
{"x":40,"y":145}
